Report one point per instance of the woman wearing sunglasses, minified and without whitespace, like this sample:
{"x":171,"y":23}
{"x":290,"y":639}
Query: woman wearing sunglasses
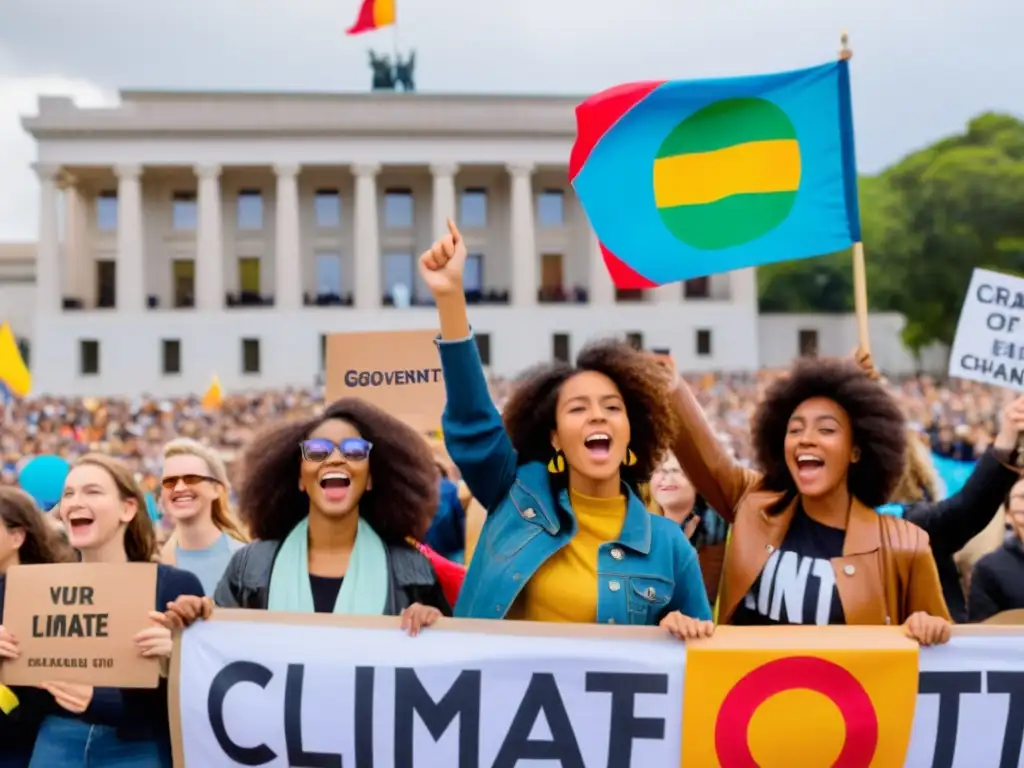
{"x":332,"y":503}
{"x":194,"y":495}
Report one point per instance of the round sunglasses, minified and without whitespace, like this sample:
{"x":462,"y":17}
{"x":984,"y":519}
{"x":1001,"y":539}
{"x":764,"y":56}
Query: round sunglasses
{"x":319,"y":449}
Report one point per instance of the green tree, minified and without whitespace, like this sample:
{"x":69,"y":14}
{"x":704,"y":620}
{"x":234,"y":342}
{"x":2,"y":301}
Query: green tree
{"x":927,"y":222}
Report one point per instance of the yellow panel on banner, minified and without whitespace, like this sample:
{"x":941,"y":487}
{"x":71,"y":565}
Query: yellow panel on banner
{"x":788,"y":696}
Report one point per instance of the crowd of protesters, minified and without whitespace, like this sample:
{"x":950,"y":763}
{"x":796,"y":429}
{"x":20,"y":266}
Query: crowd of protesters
{"x":615,"y":490}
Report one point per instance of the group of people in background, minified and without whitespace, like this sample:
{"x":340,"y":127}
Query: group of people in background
{"x":615,"y":492}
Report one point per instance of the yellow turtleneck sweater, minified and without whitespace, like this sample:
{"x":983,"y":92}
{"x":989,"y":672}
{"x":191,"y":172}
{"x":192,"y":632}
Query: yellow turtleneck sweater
{"x":565,"y":587}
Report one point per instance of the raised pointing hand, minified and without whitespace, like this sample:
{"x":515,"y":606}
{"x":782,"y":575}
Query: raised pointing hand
{"x":441,"y":266}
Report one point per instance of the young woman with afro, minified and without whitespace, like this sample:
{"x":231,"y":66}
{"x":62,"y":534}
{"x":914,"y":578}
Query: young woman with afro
{"x":332,"y":503}
{"x":566,"y":539}
{"x":806,"y":545}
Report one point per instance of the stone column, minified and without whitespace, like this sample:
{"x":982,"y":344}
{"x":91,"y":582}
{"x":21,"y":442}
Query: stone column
{"x":600,"y":288}
{"x":77,"y":258}
{"x":287,"y":249}
{"x":443,"y":198}
{"x":131,"y":283}
{"x":367,"y":239}
{"x":523,"y":238}
{"x":48,"y":267}
{"x":209,"y":272}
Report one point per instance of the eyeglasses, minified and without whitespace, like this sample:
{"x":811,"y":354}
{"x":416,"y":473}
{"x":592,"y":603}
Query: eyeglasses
{"x":319,"y":449}
{"x":171,"y":481}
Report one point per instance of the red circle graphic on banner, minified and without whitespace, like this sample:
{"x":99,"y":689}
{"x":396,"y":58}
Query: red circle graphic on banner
{"x":797,"y":672}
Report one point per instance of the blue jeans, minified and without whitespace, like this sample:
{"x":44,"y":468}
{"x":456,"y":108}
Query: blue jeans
{"x":71,"y":743}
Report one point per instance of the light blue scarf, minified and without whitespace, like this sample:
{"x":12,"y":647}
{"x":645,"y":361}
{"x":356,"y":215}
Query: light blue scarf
{"x":364,"y":590}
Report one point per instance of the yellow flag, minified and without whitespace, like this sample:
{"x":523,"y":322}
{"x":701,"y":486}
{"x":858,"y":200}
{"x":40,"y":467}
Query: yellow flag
{"x":14,"y":376}
{"x":214,"y":396}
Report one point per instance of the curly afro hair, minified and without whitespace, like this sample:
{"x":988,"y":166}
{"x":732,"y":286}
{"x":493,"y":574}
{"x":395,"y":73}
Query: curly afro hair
{"x":405,"y":491}
{"x":875,"y":419}
{"x":529,"y":413}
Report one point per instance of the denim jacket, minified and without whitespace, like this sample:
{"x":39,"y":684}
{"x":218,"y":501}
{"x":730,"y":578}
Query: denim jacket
{"x":651,"y":570}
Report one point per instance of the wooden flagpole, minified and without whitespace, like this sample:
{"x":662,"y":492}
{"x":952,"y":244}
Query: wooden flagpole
{"x":860,"y":274}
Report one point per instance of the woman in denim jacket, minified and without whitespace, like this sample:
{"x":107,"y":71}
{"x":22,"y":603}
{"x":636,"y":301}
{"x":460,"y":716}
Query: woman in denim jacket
{"x":567,"y":538}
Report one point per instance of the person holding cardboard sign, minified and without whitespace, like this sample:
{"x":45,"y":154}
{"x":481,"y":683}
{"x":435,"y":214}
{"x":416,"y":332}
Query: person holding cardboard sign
{"x":567,"y":537}
{"x":26,"y":538}
{"x":332,"y":502}
{"x":104,"y":512}
{"x":806,"y":545}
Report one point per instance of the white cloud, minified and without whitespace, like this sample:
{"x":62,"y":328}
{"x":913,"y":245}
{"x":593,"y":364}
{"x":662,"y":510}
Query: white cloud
{"x":19,"y":202}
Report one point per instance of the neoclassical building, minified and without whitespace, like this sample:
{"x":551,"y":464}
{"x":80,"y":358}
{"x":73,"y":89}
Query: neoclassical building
{"x":183,"y":235}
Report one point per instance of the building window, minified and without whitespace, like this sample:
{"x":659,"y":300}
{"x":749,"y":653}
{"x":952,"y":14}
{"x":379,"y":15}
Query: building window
{"x":399,"y":278}
{"x":807,"y":339}
{"x":184,"y":211}
{"x":250,"y":209}
{"x":473,"y":208}
{"x":327,"y":207}
{"x":249,"y":275}
{"x":629,"y":294}
{"x":25,"y":350}
{"x":473,"y":274}
{"x":551,"y":208}
{"x":250,"y":355}
{"x":88,"y":357}
{"x":560,"y":347}
{"x":483,"y":346}
{"x":398,"y":209}
{"x":323,"y":352}
{"x":635,"y":340}
{"x":328,"y":273}
{"x":172,"y":356}
{"x":697,"y":288}
{"x":106,"y":211}
{"x":106,"y":283}
{"x":703,"y":342}
{"x":184,"y":276}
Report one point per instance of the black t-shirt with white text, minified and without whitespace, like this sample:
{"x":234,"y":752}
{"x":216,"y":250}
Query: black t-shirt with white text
{"x":798,"y":584}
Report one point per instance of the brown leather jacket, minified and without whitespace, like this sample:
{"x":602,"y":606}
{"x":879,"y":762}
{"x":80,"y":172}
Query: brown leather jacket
{"x":886,"y":572}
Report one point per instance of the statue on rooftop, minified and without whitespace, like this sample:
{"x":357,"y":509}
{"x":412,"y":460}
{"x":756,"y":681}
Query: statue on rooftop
{"x":383,"y":72}
{"x":404,"y":72}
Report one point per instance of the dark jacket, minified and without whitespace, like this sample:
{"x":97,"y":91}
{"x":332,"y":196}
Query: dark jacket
{"x":246,"y":580}
{"x":997,"y":582}
{"x":953,"y":522}
{"x":136,"y":714}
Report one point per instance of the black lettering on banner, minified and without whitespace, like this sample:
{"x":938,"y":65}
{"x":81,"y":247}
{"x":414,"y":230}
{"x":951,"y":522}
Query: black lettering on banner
{"x":1010,"y":375}
{"x":462,"y":700}
{"x":297,"y":756}
{"x":398,"y":378}
{"x":541,"y":695}
{"x":949,"y":686}
{"x":625,"y":727}
{"x":71,"y":624}
{"x":364,"y":717}
{"x":1001,"y":297}
{"x":233,"y":674}
{"x":1013,"y":737}
{"x":1008,"y":349}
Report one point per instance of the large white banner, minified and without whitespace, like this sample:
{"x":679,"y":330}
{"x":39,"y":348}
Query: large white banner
{"x":279,"y":690}
{"x":276,"y":694}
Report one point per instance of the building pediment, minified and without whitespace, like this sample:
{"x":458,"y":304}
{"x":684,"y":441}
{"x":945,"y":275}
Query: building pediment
{"x":175,"y":113}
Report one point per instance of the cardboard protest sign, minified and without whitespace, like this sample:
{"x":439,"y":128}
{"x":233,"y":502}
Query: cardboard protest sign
{"x":989,"y":343}
{"x":398,"y":371}
{"x":76,"y":623}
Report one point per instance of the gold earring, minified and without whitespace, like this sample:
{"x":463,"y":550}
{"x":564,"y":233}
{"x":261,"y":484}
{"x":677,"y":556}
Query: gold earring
{"x":557,"y":464}
{"x":629,"y":459}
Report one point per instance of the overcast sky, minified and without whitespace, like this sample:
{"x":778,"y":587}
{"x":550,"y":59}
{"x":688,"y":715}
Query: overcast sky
{"x":922,"y":68}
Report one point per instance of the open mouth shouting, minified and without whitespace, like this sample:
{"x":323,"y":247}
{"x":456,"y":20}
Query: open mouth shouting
{"x":809,"y":468}
{"x":335,"y":485}
{"x":598,"y":445}
{"x":80,"y":522}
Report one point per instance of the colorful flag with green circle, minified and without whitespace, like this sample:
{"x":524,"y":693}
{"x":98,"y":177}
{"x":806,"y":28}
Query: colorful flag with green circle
{"x":682,"y":179}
